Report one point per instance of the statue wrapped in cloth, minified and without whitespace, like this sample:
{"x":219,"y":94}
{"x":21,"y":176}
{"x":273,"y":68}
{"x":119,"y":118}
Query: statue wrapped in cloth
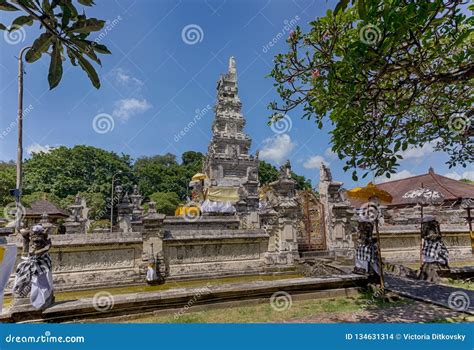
{"x":33,"y":274}
{"x":434,"y":253}
{"x":366,"y":260}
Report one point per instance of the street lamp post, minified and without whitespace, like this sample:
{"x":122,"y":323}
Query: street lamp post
{"x":19,"y":158}
{"x":112,"y":200}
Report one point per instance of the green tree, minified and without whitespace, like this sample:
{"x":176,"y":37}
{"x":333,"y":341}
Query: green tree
{"x":166,"y":202}
{"x":7,"y":182}
{"x":387,"y":75}
{"x":65,"y":31}
{"x":162,"y":173}
{"x":268,"y":173}
{"x":68,"y":171}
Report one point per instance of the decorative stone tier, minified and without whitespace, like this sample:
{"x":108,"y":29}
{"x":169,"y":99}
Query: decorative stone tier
{"x":401,"y":243}
{"x":82,"y":261}
{"x":205,"y":253}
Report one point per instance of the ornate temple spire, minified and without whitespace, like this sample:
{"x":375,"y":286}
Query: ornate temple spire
{"x":232,"y":75}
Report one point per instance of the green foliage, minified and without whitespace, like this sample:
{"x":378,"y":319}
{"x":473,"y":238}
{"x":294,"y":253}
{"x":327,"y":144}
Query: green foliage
{"x":68,"y":171}
{"x":105,"y":224}
{"x":166,"y":202}
{"x":467,"y":181}
{"x":387,"y":75}
{"x":7,"y":182}
{"x":162,"y":173}
{"x":65,"y":29}
{"x":268,"y":173}
{"x":29,"y":198}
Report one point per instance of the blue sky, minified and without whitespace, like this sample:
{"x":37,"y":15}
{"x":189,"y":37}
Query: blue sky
{"x":158,"y":79}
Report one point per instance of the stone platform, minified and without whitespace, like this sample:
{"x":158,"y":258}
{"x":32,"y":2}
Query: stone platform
{"x":107,"y":305}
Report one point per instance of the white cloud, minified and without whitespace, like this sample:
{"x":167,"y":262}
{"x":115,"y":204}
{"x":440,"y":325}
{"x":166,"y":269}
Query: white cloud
{"x":126,"y":108}
{"x":419,"y":152}
{"x":37,"y":148}
{"x":277,"y":148}
{"x":125,"y":79}
{"x":465,"y":175}
{"x":330,"y":154}
{"x":314,"y":162}
{"x":397,"y":176}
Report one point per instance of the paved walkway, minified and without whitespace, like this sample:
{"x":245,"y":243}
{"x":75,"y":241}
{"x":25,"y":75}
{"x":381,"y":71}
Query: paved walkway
{"x":458,"y":299}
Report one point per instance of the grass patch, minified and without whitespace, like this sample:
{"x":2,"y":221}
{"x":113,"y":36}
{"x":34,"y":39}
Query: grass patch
{"x":264,"y":312}
{"x":458,"y":283}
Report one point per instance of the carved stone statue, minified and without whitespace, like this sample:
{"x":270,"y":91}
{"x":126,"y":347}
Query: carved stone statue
{"x":34,"y":272}
{"x":366,"y":261}
{"x":434,"y":252}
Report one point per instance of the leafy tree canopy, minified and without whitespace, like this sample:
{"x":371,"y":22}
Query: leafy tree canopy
{"x":387,"y":75}
{"x":65,"y":32}
{"x":166,"y":202}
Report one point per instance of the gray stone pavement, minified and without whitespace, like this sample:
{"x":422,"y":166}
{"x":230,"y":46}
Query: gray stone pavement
{"x":457,"y":299}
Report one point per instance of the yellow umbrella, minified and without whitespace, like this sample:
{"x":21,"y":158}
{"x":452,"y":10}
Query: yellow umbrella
{"x":370,"y":191}
{"x":373,"y":192}
{"x":199,"y":176}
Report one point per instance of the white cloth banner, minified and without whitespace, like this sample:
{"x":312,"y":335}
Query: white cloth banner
{"x":7,"y":263}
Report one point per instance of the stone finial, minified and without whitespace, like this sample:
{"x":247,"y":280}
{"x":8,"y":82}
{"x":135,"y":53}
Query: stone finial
{"x":325,"y":173}
{"x":232,"y":75}
{"x":431,"y":170}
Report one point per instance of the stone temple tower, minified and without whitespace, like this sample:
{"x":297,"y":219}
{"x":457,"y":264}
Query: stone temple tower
{"x":229,"y":165}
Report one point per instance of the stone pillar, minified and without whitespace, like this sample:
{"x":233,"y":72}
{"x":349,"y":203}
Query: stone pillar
{"x":280,"y":220}
{"x":125,"y":211}
{"x":337,"y":215}
{"x":152,"y":235}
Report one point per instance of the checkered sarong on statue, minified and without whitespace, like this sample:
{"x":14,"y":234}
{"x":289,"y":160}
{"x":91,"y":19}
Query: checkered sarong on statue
{"x":366,"y":252}
{"x":33,"y":265}
{"x":435,"y":251}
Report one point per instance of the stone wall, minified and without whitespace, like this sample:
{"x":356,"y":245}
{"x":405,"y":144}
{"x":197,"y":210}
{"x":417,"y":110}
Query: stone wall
{"x":82,"y":261}
{"x":401,"y":243}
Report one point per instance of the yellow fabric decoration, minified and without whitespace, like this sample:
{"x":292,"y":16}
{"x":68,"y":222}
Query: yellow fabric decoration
{"x":2,"y":254}
{"x":365,"y":193}
{"x":223,"y":194}
{"x":199,"y":176}
{"x":187,"y":211}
